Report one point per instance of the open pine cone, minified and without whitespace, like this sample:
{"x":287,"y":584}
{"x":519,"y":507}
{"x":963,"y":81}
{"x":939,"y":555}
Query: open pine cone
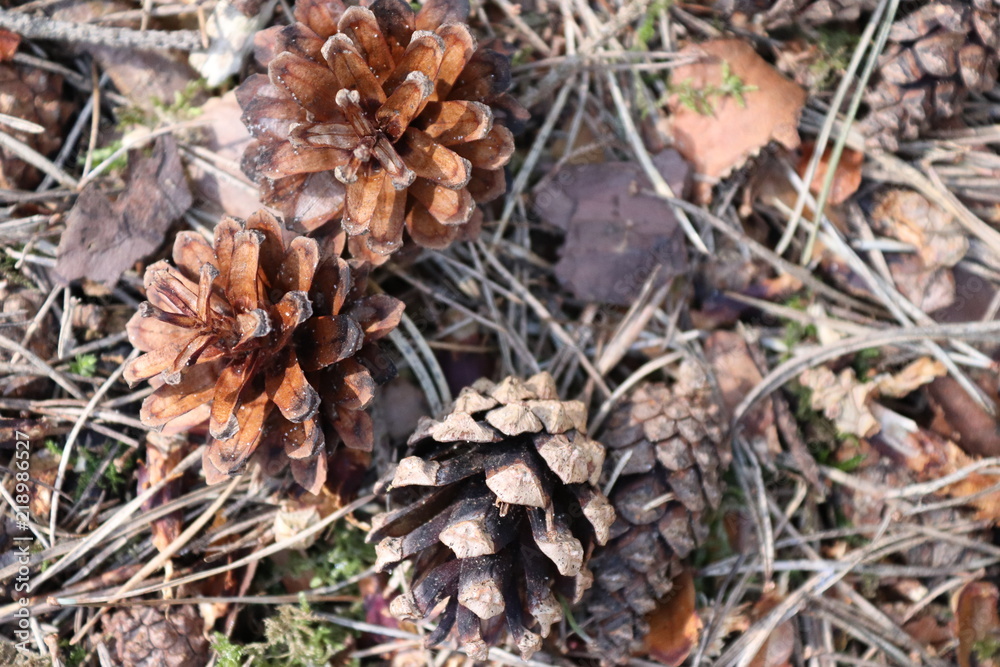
{"x":154,"y":637}
{"x":277,"y":336}
{"x":380,"y":115}
{"x":937,"y":55}
{"x":673,"y":438}
{"x":503,"y":512}
{"x":34,"y":95}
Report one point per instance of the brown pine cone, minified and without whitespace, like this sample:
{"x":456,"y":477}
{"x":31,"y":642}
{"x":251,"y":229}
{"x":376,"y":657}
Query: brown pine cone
{"x":380,"y":115}
{"x":937,"y":55}
{"x":673,"y":440}
{"x":34,"y":95}
{"x":509,"y":512}
{"x":277,"y":336}
{"x":157,"y":637}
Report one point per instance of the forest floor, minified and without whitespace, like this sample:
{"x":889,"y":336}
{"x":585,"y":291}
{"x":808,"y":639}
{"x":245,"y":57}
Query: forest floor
{"x":661,"y":207}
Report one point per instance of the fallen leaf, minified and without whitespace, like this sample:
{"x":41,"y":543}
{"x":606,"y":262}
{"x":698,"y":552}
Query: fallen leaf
{"x":842,"y":399}
{"x":930,"y":290}
{"x":960,"y":419}
{"x":736,"y":126}
{"x":846,"y":177}
{"x":780,"y":644}
{"x":222,"y":181}
{"x":616,"y":235}
{"x":736,"y":374}
{"x":9,"y":41}
{"x":847,"y":401}
{"x":674,"y":626}
{"x":163,"y":453}
{"x":916,"y":374}
{"x":977,"y":624}
{"x":104,"y":238}
{"x":939,"y":240}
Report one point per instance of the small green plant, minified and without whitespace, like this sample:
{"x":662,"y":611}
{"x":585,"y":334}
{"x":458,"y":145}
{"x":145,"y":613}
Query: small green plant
{"x":103,"y":153}
{"x":647,"y":29}
{"x":113,"y":480}
{"x":349,"y":556}
{"x":986,"y":649}
{"x":835,"y":47}
{"x":9,"y":270}
{"x":703,"y":100}
{"x":182,"y":107}
{"x":294,"y":637}
{"x":84,"y":364}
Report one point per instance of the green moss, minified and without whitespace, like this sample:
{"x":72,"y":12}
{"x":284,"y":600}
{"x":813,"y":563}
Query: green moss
{"x":348,"y":557}
{"x":294,"y":637}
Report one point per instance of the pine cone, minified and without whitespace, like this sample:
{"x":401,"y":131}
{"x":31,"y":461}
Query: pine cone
{"x":936,"y":56}
{"x":382,"y":115}
{"x":33,"y":95}
{"x":155,"y":637}
{"x":511,"y":514}
{"x":257,"y":324}
{"x":673,"y":438}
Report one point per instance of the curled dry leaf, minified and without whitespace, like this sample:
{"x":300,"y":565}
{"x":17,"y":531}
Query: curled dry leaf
{"x":616,"y":234}
{"x":939,"y":241}
{"x":754,"y":106}
{"x":104,"y":238}
{"x":848,"y":402}
{"x":674,"y":626}
{"x":163,"y":453}
{"x":846,"y":176}
{"x":389,"y":117}
{"x":977,"y":624}
{"x":736,"y":374}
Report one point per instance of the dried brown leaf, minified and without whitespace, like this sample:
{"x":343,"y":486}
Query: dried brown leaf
{"x":674,"y":626}
{"x":616,"y":235}
{"x":104,"y":238}
{"x":977,"y":624}
{"x":846,"y":177}
{"x":719,"y":141}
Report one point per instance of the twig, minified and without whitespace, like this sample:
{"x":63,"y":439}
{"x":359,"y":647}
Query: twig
{"x":42,"y":27}
{"x":71,"y":438}
{"x":34,"y":158}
